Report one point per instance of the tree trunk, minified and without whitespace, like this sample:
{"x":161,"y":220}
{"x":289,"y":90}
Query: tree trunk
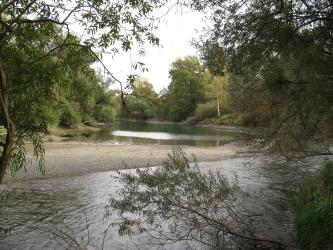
{"x":218,"y":105}
{"x":8,"y":144}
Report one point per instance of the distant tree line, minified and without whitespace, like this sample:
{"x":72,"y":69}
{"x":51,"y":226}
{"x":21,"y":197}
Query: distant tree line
{"x":196,"y":95}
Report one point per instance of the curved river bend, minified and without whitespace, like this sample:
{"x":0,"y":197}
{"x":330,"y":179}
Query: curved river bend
{"x":75,"y":206}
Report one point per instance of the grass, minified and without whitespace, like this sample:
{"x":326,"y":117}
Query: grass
{"x":313,"y":206}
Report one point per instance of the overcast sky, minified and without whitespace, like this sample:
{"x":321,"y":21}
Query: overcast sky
{"x":176,"y":31}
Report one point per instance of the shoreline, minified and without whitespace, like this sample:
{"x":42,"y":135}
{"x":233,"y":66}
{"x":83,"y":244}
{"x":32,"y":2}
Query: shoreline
{"x":57,"y":134}
{"x":78,"y":158}
{"x":233,"y":128}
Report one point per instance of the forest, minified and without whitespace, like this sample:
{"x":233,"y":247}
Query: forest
{"x":194,"y":96}
{"x":265,"y":65}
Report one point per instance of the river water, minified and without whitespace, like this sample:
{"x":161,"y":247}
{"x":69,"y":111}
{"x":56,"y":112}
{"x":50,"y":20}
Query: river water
{"x":58,"y":212}
{"x":162,"y":134}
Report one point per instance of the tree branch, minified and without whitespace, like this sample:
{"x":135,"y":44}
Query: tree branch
{"x":227,"y":228}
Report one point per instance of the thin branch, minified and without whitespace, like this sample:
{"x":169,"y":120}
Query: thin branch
{"x":104,"y":235}
{"x":227,"y":228}
{"x":23,"y":12}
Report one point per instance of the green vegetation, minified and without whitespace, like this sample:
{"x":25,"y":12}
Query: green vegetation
{"x":185,"y":91}
{"x":278,"y":55}
{"x":205,"y":111}
{"x":179,"y":202}
{"x":253,"y":68}
{"x":45,"y":70}
{"x":262,"y":63}
{"x":141,"y":103}
{"x":73,"y":94}
{"x":267,"y":63}
{"x":195,"y":95}
{"x":313,"y":205}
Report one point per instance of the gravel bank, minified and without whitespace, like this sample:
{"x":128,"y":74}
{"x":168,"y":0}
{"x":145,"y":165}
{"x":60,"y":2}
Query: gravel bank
{"x":75,"y":158}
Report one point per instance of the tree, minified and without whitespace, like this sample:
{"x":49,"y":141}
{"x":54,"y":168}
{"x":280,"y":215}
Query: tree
{"x":163,"y":105}
{"x":141,"y":102}
{"x":186,"y":89}
{"x":216,"y":88}
{"x":80,"y":94}
{"x":282,"y":52}
{"x":45,"y":27}
{"x":286,"y":47}
{"x":143,"y":88}
{"x":106,"y":106}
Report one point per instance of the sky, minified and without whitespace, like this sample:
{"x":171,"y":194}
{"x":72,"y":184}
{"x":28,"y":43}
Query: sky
{"x":175,"y":31}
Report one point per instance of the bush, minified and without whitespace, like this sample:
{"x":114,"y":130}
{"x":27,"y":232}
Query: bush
{"x":105,"y":113}
{"x":139,"y":109}
{"x":255,"y":119}
{"x":313,"y":206}
{"x":234,"y":119}
{"x":70,"y":116}
{"x":314,"y":226}
{"x":50,"y":115}
{"x":205,"y":110}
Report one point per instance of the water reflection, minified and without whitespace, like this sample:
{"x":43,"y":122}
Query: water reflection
{"x":163,"y":134}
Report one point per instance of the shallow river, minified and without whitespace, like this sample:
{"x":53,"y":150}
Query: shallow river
{"x":43,"y":213}
{"x":163,"y":134}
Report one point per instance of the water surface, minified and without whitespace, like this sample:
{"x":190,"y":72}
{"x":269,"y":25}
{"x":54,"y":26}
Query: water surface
{"x":163,"y":134}
{"x":50,"y":213}
{"x":76,"y":206}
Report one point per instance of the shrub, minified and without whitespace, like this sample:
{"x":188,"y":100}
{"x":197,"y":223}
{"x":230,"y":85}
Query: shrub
{"x":313,"y":206}
{"x":50,"y":115}
{"x":139,"y":108}
{"x":205,"y":110}
{"x":234,"y":119}
{"x":314,"y":226}
{"x":70,"y":116}
{"x":105,"y":113}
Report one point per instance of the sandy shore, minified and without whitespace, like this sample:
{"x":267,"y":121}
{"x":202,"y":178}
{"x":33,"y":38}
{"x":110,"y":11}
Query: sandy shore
{"x":75,"y":158}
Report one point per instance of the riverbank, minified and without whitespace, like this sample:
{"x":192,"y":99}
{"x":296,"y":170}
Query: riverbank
{"x":60,"y":134}
{"x":56,"y":134}
{"x":202,"y":124}
{"x":77,"y":158}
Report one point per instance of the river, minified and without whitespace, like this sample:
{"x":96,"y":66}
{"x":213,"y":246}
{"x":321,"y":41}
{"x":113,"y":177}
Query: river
{"x":162,"y":134}
{"x":42,"y":214}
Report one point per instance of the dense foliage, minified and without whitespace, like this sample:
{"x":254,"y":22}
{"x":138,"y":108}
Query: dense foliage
{"x":313,"y":206}
{"x":186,"y":89}
{"x":279,"y":57}
{"x":40,"y":58}
{"x":279,"y":52}
{"x":61,"y":89}
{"x":264,"y":62}
{"x":142,"y":101}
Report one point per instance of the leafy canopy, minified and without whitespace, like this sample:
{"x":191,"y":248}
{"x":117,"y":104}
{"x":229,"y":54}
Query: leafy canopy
{"x":186,"y":89}
{"x":41,"y":59}
{"x":280,"y":51}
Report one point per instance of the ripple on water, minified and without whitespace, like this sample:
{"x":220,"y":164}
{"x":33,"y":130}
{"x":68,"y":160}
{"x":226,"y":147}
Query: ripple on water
{"x":41,"y":207}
